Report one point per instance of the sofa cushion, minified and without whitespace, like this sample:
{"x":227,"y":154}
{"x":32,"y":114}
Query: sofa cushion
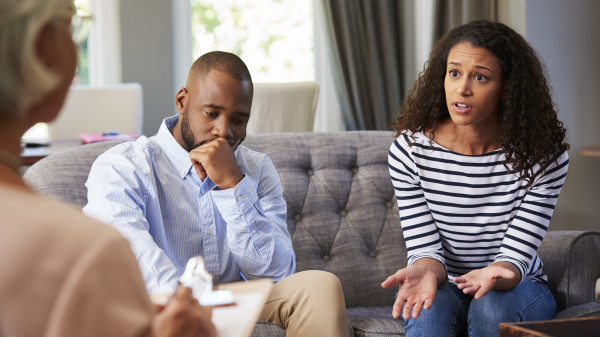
{"x":63,"y":174}
{"x":377,"y":326}
{"x":583,"y":310}
{"x":265,"y":329}
{"x":342,"y":212}
{"x":571,"y":262}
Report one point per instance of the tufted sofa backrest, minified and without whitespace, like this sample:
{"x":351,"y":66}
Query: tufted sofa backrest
{"x":342,"y":212}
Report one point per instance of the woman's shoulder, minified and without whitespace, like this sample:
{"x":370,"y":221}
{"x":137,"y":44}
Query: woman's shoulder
{"x":414,"y":141}
{"x":54,"y":247}
{"x":411,"y":138}
{"x":33,"y":215}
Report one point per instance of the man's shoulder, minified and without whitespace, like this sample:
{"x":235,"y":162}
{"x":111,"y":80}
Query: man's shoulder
{"x":134,"y":150}
{"x":251,"y":159}
{"x":139,"y":144}
{"x":243,"y":152}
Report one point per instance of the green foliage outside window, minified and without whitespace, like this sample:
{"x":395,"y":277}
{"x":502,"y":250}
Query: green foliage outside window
{"x":273,"y":37}
{"x":81,"y":26}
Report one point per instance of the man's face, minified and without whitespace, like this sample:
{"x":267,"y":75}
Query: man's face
{"x":216,"y":106}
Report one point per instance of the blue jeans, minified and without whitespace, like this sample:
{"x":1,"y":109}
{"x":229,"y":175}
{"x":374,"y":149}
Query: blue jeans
{"x":453,"y":312}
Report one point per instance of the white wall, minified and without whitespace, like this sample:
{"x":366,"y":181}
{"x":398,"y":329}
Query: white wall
{"x":565,"y":35}
{"x":147,"y":46}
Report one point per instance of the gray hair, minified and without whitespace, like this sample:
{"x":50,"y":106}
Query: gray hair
{"x":23,"y":78}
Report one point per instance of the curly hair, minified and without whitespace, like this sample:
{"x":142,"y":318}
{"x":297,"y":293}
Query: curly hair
{"x":530,"y":130}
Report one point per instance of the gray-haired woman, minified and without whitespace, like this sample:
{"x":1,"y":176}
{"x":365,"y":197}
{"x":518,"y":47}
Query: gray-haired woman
{"x":62,"y":274}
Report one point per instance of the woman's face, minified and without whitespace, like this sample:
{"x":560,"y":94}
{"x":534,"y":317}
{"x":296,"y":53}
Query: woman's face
{"x":474,"y":86}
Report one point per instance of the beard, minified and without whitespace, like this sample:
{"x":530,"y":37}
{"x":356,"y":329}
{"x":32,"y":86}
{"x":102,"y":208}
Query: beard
{"x":190,"y":140}
{"x":187,"y":134}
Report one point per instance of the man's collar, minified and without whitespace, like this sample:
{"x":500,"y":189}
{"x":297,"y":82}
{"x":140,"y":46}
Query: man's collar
{"x":178,"y":156}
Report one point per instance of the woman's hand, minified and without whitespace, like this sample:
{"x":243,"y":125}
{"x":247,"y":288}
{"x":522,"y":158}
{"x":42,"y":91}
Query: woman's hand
{"x":497,"y":276}
{"x":183,"y":316}
{"x":417,"y":287}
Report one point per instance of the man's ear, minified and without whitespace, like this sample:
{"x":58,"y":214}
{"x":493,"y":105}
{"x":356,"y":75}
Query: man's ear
{"x":181,"y":100}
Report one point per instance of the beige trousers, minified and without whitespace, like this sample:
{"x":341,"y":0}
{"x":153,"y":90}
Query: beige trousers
{"x":308,"y":303}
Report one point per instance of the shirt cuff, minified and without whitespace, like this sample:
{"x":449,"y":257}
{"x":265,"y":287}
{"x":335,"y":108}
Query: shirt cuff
{"x":237,"y":200}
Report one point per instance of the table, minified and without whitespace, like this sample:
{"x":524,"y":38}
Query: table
{"x":590,"y":151}
{"x":572,"y":327}
{"x":32,"y":155}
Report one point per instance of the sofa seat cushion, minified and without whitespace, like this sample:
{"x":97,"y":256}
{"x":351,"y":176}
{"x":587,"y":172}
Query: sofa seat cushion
{"x":382,"y":312}
{"x":579,"y":311}
{"x":376,"y":326}
{"x":374,"y":322}
{"x":265,"y":329}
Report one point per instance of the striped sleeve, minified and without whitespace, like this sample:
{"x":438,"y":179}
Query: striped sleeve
{"x":418,"y":226}
{"x":530,"y":223}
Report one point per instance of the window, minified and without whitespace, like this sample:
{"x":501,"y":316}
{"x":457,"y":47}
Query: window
{"x":81,"y":29}
{"x":273,"y":37}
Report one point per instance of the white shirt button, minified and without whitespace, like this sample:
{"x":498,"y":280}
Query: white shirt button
{"x":239,"y":198}
{"x":254,"y":231}
{"x":209,"y":232}
{"x":182,"y":172}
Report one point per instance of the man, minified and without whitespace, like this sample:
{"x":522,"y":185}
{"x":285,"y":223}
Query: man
{"x":193,"y":190}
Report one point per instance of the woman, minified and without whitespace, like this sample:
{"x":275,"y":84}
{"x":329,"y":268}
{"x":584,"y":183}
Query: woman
{"x":478,"y":163}
{"x":62,"y":274}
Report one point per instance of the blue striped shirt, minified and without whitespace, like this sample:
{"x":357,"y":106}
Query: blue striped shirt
{"x":149,"y":191}
{"x":470,"y":211}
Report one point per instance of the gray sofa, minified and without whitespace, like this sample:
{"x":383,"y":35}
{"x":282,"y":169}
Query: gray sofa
{"x":343,"y":218}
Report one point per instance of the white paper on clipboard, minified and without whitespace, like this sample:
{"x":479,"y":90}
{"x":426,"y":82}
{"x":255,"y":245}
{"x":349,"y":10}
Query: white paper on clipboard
{"x":239,"y":320}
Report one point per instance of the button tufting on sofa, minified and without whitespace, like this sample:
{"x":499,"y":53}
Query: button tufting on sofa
{"x":355,"y":170}
{"x":373,"y":254}
{"x":342,"y":213}
{"x":310,"y":172}
{"x":326,"y":258}
{"x":298,"y":217}
{"x":389,"y":204}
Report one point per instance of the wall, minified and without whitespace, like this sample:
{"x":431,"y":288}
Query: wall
{"x":564,"y":33}
{"x":513,"y":13}
{"x":148,"y":57}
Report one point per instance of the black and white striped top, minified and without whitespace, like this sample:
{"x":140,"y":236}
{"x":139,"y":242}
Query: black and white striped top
{"x":469,"y":211}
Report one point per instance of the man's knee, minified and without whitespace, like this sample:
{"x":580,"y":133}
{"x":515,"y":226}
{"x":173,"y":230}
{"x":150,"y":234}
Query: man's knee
{"x":316,"y":281}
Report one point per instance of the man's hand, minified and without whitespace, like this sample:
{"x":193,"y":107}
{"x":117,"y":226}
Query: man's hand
{"x":416,"y":291}
{"x":216,"y":160}
{"x":183,"y":316}
{"x":498,"y":276}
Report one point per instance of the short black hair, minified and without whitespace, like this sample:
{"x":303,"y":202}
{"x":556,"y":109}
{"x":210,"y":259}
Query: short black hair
{"x":224,"y":62}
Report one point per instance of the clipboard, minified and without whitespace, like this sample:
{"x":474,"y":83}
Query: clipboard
{"x":238,"y":319}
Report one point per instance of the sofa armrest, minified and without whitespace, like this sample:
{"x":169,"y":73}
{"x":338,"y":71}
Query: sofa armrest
{"x":580,"y":311}
{"x":571,"y":261}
